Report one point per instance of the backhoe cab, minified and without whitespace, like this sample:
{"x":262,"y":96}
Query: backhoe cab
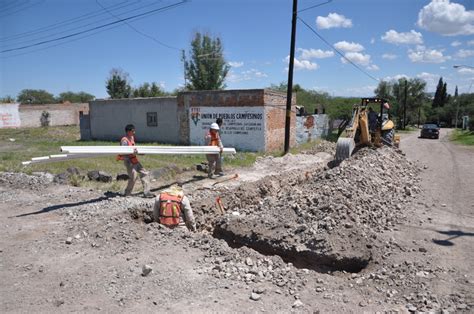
{"x":367,"y":127}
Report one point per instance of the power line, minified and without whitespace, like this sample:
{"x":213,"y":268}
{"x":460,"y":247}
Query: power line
{"x":12,"y":5}
{"x":26,"y":42}
{"x":315,"y":6}
{"x":99,"y":27}
{"x":337,"y":51}
{"x":138,"y":31}
{"x":65,"y":22}
{"x":21,"y":9}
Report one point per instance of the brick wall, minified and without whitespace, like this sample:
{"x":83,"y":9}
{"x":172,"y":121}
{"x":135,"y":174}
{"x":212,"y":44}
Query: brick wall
{"x":275,"y":110}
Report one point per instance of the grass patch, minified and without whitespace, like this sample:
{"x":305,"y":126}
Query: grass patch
{"x":463,"y":137}
{"x":17,"y":145}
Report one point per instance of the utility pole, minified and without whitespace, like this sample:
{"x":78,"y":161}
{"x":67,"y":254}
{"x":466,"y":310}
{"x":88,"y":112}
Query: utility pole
{"x":289,"y":94}
{"x":405,"y":106}
{"x":183,"y":58}
{"x":457,"y":107}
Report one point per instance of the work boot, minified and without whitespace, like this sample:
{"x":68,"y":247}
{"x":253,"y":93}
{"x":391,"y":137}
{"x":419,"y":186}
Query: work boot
{"x":220,"y":174}
{"x":209,"y":175}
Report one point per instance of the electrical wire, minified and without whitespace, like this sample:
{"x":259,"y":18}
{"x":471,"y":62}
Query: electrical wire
{"x":72,"y":29}
{"x":19,"y":8}
{"x":314,"y":6}
{"x":138,"y":31}
{"x":168,"y":7}
{"x":65,"y":22}
{"x":337,"y":51}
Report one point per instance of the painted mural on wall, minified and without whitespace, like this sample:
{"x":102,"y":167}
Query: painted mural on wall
{"x":244,"y":128}
{"x":9,"y":116}
{"x":311,"y":127}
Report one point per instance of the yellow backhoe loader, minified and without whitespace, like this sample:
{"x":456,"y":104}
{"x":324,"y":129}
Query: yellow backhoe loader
{"x":366,"y":127}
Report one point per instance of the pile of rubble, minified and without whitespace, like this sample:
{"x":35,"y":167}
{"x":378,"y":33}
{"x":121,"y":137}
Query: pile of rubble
{"x":36,"y":181}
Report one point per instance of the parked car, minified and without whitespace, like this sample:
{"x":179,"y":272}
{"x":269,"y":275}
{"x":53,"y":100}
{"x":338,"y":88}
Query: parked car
{"x":429,"y":130}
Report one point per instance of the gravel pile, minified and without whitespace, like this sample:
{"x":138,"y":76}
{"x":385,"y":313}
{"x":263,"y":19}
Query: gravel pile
{"x":37,"y":181}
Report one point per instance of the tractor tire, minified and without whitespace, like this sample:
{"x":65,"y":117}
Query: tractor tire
{"x":387,"y":137}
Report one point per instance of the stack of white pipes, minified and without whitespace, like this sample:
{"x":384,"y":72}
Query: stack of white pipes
{"x":75,"y":152}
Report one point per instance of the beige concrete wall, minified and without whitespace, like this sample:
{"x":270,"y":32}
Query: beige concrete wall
{"x":108,"y":119}
{"x":60,"y":114}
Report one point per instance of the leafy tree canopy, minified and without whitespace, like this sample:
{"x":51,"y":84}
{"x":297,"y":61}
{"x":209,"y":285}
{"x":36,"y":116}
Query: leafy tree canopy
{"x":207,"y":68}
{"x":80,"y":97}
{"x":118,"y":84}
{"x":35,"y":96}
{"x":147,"y":90}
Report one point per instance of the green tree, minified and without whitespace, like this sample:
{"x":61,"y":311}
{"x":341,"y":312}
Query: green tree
{"x":441,"y":96}
{"x":7,"y":100}
{"x":35,"y":96}
{"x":118,"y":84}
{"x":146,"y":90}
{"x":207,"y":68}
{"x":384,"y":90}
{"x":80,"y":97}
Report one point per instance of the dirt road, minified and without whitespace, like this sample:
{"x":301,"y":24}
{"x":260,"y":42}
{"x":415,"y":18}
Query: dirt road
{"x":448,"y":184}
{"x":66,"y":249}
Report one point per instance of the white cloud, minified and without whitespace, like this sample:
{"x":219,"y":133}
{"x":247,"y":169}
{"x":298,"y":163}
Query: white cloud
{"x":456,"y":43}
{"x":446,"y":18}
{"x":357,"y":57}
{"x":389,"y":56}
{"x":236,"y":64}
{"x":307,"y":54}
{"x":373,"y":67}
{"x":464,"y":53}
{"x":397,"y":38}
{"x":372,"y":41}
{"x":428,"y":76}
{"x":466,"y":71}
{"x":361,"y":91}
{"x":255,"y":73}
{"x":430,"y":79}
{"x":470,"y":43}
{"x":396,"y":77}
{"x":248,"y":75}
{"x":421,"y":54}
{"x":348,"y":46}
{"x":443,"y":68}
{"x":333,"y":20}
{"x":303,"y":64}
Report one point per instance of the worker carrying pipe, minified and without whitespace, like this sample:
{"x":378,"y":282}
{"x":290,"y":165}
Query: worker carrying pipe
{"x":133,"y":166}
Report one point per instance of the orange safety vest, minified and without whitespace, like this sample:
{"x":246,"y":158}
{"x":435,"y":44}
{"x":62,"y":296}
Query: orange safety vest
{"x":130,"y":142}
{"x":214,"y":138}
{"x":170,"y":209}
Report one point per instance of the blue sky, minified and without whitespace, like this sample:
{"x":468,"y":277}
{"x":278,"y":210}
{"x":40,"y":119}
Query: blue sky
{"x":386,"y":38}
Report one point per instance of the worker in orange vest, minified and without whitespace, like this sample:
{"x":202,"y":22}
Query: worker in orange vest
{"x":218,"y":170}
{"x":132,"y":164}
{"x":214,"y":160}
{"x":172,"y":209}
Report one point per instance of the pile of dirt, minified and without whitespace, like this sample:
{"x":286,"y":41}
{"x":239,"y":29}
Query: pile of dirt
{"x":326,"y":220}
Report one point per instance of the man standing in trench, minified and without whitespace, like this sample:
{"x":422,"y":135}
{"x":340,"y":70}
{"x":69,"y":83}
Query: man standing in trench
{"x":172,"y":209}
{"x":133,"y":166}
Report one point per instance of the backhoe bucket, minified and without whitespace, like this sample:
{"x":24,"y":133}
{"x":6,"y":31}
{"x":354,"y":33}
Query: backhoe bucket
{"x":344,"y":148}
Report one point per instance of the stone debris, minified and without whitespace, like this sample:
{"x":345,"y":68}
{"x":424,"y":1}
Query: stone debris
{"x":255,"y":296}
{"x":146,"y":270}
{"x":344,"y":212}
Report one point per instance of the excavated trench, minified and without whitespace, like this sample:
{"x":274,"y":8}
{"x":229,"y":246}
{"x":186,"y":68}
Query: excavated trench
{"x":340,"y":210}
{"x":323,"y":263}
